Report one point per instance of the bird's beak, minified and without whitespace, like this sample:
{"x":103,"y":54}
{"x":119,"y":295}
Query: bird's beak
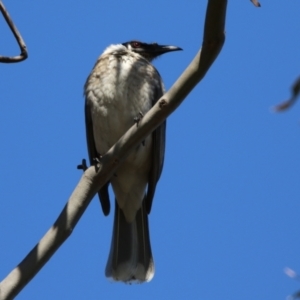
{"x":156,"y":49}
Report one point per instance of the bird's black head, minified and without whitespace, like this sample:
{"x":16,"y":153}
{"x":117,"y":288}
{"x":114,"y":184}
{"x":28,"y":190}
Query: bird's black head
{"x":149,"y":51}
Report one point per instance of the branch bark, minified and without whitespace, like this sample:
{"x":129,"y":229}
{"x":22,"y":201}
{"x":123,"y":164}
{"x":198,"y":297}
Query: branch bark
{"x":17,"y":35}
{"x":93,"y":180}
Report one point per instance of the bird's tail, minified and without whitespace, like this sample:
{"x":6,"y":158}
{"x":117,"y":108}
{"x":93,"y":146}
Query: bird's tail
{"x":130,"y":258}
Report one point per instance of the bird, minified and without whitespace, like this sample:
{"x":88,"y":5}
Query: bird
{"x":122,"y":86}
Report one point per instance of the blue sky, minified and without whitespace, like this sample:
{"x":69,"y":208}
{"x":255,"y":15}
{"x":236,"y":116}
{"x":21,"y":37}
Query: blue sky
{"x":225,"y":219}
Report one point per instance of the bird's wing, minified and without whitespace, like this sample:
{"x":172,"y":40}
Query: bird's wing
{"x":103,"y":192}
{"x":158,"y":153}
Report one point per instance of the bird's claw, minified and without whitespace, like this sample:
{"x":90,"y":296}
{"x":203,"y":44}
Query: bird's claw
{"x":138,"y":118}
{"x":83,"y":165}
{"x":97,"y":161}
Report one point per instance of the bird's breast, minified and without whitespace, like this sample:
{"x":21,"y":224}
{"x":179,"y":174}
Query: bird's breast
{"x":119,"y":89}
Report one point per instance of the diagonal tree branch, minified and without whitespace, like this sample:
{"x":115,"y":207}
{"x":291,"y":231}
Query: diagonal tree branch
{"x":17,"y":35}
{"x":93,"y":180}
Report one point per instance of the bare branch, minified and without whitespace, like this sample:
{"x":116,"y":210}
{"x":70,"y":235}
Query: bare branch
{"x":17,"y":35}
{"x":255,"y":3}
{"x":93,"y":180}
{"x":295,"y":90}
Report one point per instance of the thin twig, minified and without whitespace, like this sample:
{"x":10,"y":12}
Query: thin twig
{"x":295,"y":91}
{"x":255,"y":3}
{"x":18,"y":37}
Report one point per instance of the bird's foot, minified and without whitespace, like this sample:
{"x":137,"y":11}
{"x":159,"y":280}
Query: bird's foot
{"x":83,"y":165}
{"x":138,"y":118}
{"x":97,"y":161}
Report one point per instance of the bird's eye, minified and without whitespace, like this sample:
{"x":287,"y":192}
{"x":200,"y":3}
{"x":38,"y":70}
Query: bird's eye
{"x":136,"y":44}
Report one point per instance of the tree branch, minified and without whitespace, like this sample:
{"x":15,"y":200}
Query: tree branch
{"x":255,"y":3}
{"x":295,"y":91}
{"x":17,"y":35}
{"x":92,"y":181}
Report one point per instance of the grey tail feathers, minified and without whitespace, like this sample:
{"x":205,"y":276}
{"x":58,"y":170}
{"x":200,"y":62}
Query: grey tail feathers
{"x":130,"y":259}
